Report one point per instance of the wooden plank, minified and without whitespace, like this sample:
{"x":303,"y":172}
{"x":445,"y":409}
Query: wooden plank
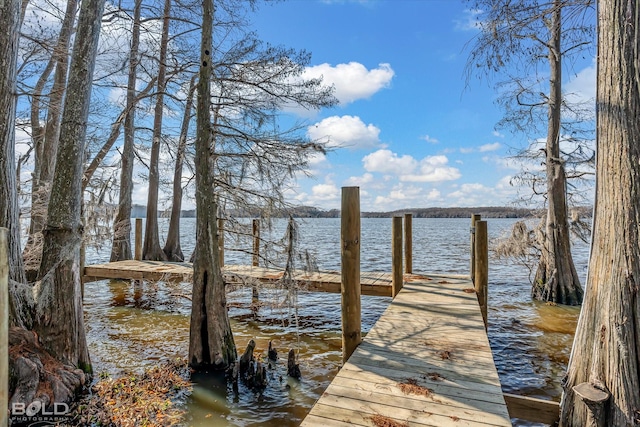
{"x":432,"y":335}
{"x":532,"y":409}
{"x":437,"y":404}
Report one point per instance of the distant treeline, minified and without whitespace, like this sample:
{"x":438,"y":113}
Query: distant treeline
{"x":139,"y":211}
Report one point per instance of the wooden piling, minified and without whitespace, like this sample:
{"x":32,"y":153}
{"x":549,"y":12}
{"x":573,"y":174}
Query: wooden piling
{"x":472,"y":268}
{"x":481,"y":281}
{"x":408,"y":243}
{"x":256,"y":243}
{"x":4,"y":326}
{"x":221,"y":241}
{"x":138,"y":240}
{"x":350,"y":261}
{"x":396,"y":255}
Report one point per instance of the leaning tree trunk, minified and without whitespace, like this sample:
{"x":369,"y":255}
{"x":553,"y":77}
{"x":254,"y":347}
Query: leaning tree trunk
{"x":9,"y":19}
{"x":556,"y":277}
{"x":151,"y":248}
{"x":172,"y":248}
{"x":211,"y":342}
{"x":606,"y":349}
{"x":121,"y":246}
{"x":47,"y":143}
{"x":59,"y":318}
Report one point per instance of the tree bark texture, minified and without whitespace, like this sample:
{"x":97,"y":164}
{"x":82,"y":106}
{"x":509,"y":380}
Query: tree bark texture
{"x":9,"y":19}
{"x":46,"y":145}
{"x":59,"y":318}
{"x":151,"y":249}
{"x":211,"y":342}
{"x":606,"y":349}
{"x":121,"y":246}
{"x":556,"y":278}
{"x":172,"y":248}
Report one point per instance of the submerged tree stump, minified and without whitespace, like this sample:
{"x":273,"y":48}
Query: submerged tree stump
{"x":293,"y":369}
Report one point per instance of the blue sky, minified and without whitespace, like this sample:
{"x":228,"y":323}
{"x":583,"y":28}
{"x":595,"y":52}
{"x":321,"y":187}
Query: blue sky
{"x":408,"y":130}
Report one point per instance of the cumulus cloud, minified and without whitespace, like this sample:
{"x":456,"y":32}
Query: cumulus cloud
{"x":352,"y":81}
{"x":386,"y":161}
{"x":359,"y":181}
{"x":345,"y":132}
{"x":489,"y":147}
{"x":407,"y":168}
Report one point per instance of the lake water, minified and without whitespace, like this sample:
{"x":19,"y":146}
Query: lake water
{"x":131,"y":327}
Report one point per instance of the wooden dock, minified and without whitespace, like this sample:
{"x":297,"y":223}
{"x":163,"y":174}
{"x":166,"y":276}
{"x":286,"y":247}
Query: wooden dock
{"x":372,"y":283}
{"x":426,"y":362}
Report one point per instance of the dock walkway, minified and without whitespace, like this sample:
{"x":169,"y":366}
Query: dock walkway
{"x":426,"y":362}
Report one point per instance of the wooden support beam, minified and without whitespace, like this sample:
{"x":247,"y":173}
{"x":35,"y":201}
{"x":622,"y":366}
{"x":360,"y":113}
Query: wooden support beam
{"x":4,"y":326}
{"x":396,"y":255}
{"x":532,"y":409}
{"x":408,"y":243}
{"x":256,"y":243}
{"x":481,"y":281}
{"x":138,"y":240}
{"x":221,"y":240}
{"x":350,"y":260}
{"x":474,"y":218}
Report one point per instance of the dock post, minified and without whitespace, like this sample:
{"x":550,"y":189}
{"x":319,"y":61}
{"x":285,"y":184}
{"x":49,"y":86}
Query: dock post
{"x":4,"y":325}
{"x":256,"y":243}
{"x":350,"y":261}
{"x":138,"y":241}
{"x":481,"y":281}
{"x":408,"y":243}
{"x":396,"y":255}
{"x":474,"y":218}
{"x":221,"y":240}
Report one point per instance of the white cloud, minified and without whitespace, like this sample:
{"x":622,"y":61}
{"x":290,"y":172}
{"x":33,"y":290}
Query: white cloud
{"x":406,"y":168}
{"x":498,"y":134}
{"x":430,"y":139}
{"x":385,"y":161}
{"x":469,"y":20}
{"x":359,"y":181}
{"x":489,"y":147}
{"x":582,"y":86}
{"x":352,"y":81}
{"x":345,"y":132}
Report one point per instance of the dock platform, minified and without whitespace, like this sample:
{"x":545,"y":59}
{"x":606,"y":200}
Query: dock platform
{"x":426,"y":362}
{"x":372,"y":283}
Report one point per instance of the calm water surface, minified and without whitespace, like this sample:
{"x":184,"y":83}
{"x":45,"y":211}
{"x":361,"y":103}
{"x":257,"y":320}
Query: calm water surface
{"x":131,"y":327}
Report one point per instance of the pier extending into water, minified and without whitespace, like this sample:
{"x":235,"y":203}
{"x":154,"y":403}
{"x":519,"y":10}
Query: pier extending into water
{"x":426,"y":361}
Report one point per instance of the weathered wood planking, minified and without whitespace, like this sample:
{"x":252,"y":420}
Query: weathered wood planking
{"x":372,"y":283}
{"x":431,"y":335}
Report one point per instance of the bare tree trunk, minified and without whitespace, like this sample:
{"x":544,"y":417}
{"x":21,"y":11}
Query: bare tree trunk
{"x":59,"y":318}
{"x":151,"y":248}
{"x":48,"y":139}
{"x":121,"y":246}
{"x":172,"y":246}
{"x":606,"y":349}
{"x":556,"y":278}
{"x":9,"y":20}
{"x":211,"y":342}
